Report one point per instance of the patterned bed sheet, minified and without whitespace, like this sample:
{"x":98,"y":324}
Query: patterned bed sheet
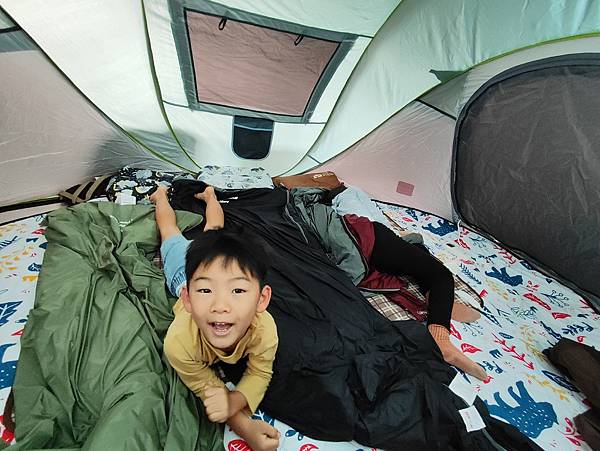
{"x":524,"y":313}
{"x":22,"y":246}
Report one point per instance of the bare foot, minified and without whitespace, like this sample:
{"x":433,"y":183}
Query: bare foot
{"x":452,"y":354}
{"x":464,"y":313}
{"x":160,"y":192}
{"x":206,"y":194}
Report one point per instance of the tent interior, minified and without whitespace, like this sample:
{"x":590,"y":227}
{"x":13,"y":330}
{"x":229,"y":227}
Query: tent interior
{"x":471,"y":123}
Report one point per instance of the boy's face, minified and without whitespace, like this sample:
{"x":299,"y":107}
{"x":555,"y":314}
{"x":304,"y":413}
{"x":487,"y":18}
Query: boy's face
{"x":223,"y":301}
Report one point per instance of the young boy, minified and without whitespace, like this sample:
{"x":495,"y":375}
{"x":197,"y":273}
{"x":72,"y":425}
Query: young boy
{"x":220,"y":316}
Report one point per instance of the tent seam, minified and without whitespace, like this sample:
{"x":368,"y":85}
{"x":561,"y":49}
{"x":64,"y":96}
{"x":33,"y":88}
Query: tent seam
{"x":157,"y":86}
{"x":566,"y":38}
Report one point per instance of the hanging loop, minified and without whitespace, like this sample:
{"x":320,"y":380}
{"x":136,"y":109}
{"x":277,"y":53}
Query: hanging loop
{"x":222,"y":23}
{"x":298,"y":39}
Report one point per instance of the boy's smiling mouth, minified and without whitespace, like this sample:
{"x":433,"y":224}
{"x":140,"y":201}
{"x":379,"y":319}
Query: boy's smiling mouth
{"x":220,"y":328}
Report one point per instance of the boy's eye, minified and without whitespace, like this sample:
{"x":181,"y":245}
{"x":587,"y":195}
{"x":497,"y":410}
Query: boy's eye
{"x":239,"y":290}
{"x":203,"y":290}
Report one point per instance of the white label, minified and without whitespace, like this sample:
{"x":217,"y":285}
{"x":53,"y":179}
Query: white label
{"x":472,"y":419}
{"x":462,"y":388}
{"x":125,"y":199}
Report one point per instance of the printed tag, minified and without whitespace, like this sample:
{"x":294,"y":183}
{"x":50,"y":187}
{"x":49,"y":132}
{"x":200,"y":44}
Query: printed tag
{"x":472,"y":419}
{"x":125,"y":199}
{"x":462,"y":388}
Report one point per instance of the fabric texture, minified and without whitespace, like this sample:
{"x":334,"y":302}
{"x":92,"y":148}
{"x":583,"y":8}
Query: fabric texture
{"x":581,"y":363}
{"x":393,"y":255}
{"x":91,"y":189}
{"x":329,"y":230}
{"x":91,"y":373}
{"x":588,"y":425}
{"x":191,"y":355}
{"x":395,"y":287}
{"x":232,"y":178}
{"x":387,"y":308}
{"x":359,"y":375}
{"x":326,"y":180}
{"x":354,"y":200}
{"x":141,"y":183}
{"x":173,"y":251}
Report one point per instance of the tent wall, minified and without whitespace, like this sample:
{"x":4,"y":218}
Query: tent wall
{"x":51,"y":137}
{"x":527,"y":164}
{"x":452,"y":96}
{"x":135,"y":76}
{"x":101,"y":47}
{"x":405,"y":161}
{"x":207,"y":136}
{"x":446,"y":37}
{"x":415,"y":145}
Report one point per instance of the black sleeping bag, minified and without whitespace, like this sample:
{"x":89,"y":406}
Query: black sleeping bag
{"x":342,"y":370}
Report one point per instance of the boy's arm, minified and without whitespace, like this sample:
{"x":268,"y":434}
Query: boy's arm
{"x":199,"y":378}
{"x":261,"y":354}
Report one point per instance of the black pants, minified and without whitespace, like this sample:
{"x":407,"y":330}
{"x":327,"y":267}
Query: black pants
{"x":393,"y":255}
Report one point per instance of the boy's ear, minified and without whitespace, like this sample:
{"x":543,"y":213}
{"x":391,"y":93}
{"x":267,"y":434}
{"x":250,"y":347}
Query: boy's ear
{"x":185,"y":298}
{"x":265,"y":298}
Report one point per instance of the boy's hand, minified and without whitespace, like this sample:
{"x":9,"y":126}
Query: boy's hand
{"x":216,"y":403}
{"x":160,"y":193}
{"x":262,"y":436}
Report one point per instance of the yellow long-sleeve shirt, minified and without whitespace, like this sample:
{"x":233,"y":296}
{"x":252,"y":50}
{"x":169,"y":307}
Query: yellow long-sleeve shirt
{"x":191,"y":355}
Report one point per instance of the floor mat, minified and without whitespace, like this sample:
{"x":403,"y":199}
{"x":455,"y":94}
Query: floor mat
{"x":525,"y":312}
{"x":22,"y":246}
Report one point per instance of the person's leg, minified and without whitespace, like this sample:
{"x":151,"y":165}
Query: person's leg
{"x":214,"y":213}
{"x":164,"y":213}
{"x":392,"y":255}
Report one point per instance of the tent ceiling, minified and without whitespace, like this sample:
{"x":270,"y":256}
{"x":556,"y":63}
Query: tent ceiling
{"x":425,"y":35}
{"x":450,"y":97}
{"x":5,"y":21}
{"x":362,"y":17}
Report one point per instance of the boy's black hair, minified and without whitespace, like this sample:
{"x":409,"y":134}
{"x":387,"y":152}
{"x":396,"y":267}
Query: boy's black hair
{"x":234,"y":245}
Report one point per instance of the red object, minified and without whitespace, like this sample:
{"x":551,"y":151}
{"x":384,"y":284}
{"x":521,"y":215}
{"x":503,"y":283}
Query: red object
{"x":488,"y":379}
{"x":466,"y":347}
{"x":455,"y":332}
{"x":461,"y":243}
{"x":7,"y":436}
{"x":558,"y":315}
{"x":18,"y":333}
{"x":308,"y":447}
{"x":483,"y":293}
{"x":580,"y":338}
{"x":238,"y":445}
{"x":405,"y":188}
{"x":534,"y":298}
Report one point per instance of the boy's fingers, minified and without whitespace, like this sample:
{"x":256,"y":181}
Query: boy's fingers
{"x":273,"y":434}
{"x":212,"y":391}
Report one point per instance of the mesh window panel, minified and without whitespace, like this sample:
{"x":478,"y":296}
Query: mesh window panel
{"x":255,"y":68}
{"x":252,"y":137}
{"x":527,"y":164}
